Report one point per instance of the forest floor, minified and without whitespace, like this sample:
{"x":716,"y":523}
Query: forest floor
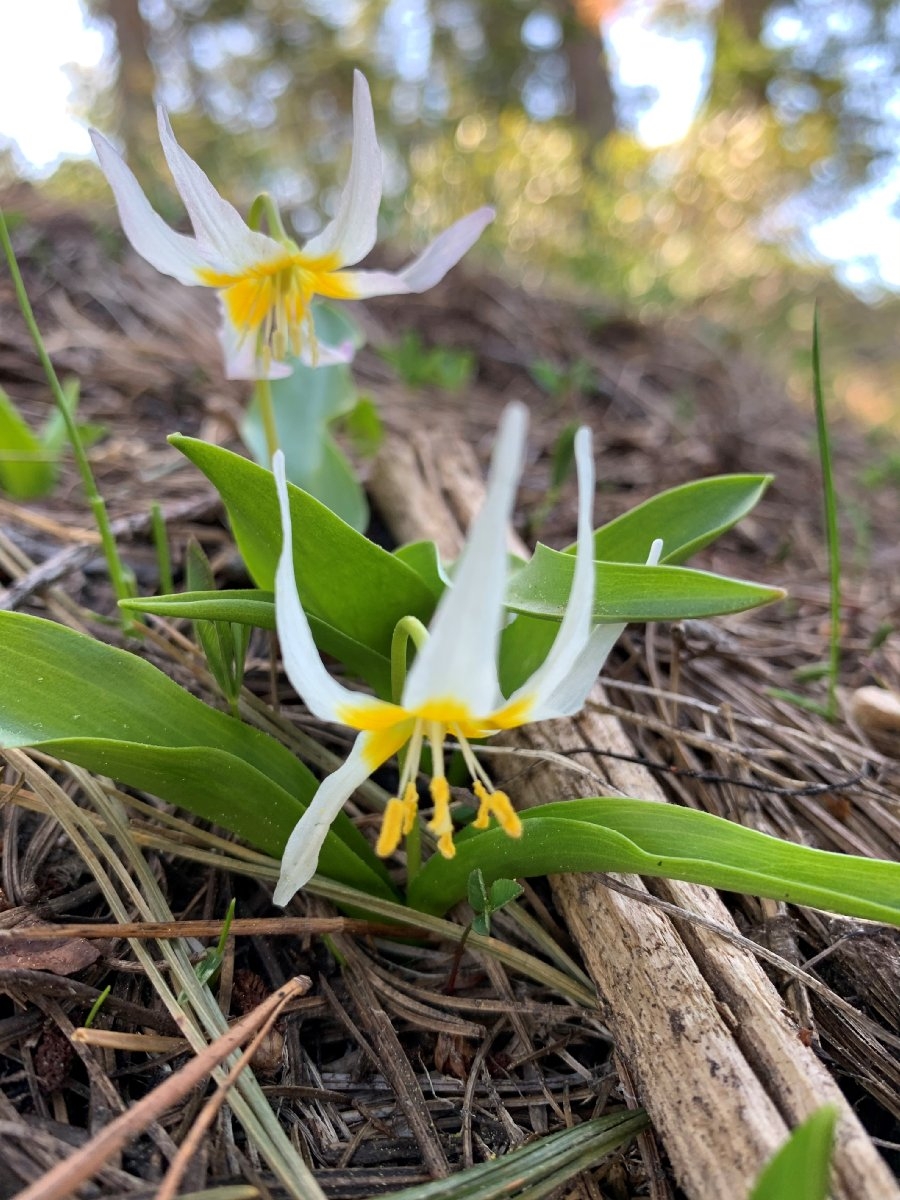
{"x":499,"y":1057}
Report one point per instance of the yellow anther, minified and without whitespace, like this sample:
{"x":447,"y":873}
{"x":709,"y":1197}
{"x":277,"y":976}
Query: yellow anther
{"x":440,"y":822}
{"x":398,"y":820}
{"x":391,"y":828}
{"x":483,"y":818}
{"x":445,"y":845}
{"x":410,"y":803}
{"x":497,"y":805}
{"x":507,"y":817}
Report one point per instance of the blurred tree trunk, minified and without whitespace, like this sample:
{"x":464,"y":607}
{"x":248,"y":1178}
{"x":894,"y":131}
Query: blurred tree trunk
{"x":747,"y":15}
{"x":595,"y":103}
{"x":135,"y":82}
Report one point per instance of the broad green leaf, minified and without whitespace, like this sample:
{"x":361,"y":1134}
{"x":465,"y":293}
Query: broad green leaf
{"x":612,"y":834}
{"x":248,"y":606}
{"x":801,"y":1168}
{"x":524,"y":644}
{"x":344,"y":579}
{"x":305,"y":404}
{"x":26,"y":469}
{"x":537,"y":1169}
{"x":630,"y":591}
{"x":424,"y":559}
{"x":334,"y":325}
{"x":114,"y":713}
{"x":687,"y":518}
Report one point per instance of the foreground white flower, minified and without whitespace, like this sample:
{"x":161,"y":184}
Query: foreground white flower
{"x":266,"y":284}
{"x":452,"y":686}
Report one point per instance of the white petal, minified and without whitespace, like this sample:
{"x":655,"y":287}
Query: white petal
{"x":575,"y":628}
{"x":301,"y":854}
{"x":459,"y":660}
{"x":328,"y":356}
{"x":572,"y":691}
{"x":351,"y":235}
{"x":322,"y":694}
{"x":432,"y":264}
{"x":219,"y":227}
{"x":170,"y":252}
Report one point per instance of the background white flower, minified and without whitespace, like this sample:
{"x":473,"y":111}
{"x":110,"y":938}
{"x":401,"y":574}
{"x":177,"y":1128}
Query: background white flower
{"x":266,"y":284}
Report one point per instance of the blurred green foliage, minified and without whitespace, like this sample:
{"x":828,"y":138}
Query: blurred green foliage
{"x":419,"y":365}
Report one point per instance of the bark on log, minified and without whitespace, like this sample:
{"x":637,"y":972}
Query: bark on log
{"x":716,"y":1058}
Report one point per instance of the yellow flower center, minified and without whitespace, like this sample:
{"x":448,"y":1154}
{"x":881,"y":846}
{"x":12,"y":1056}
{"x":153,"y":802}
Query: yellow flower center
{"x":271,"y":301}
{"x":390,"y":727}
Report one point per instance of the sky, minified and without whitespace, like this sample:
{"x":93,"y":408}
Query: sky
{"x":42,"y":39}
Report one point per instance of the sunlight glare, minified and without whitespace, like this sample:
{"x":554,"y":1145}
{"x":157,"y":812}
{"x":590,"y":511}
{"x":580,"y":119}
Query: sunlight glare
{"x":40,"y":40}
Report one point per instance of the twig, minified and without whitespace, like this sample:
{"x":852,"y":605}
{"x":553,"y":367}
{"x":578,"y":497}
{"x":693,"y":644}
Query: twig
{"x":189,"y":1146}
{"x":245,"y":927}
{"x":66,"y":1176}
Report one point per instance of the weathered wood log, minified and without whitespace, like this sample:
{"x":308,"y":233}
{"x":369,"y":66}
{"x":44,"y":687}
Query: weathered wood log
{"x":716,"y":1058}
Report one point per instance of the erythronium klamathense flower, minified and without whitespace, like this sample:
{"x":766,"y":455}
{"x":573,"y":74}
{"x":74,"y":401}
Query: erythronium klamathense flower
{"x":266,"y":284}
{"x":452,"y":688}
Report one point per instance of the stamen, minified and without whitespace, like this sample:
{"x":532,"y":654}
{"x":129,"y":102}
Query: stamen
{"x":398,"y":820}
{"x":410,"y":804}
{"x":391,"y":828}
{"x":476,"y":770}
{"x":441,"y":823}
{"x":497,"y":805}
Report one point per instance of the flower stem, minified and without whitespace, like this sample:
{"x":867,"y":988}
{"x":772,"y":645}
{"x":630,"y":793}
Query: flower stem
{"x":263,"y":390}
{"x":119,"y":575}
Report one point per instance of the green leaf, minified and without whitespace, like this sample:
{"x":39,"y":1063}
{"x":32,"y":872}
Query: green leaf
{"x":419,"y":365}
{"x":612,"y":834}
{"x":503,"y":892}
{"x":114,"y":713}
{"x":562,"y":460}
{"x":248,"y":606}
{"x":630,"y":591}
{"x":224,"y":642}
{"x":537,"y":1169}
{"x":687,"y":518}
{"x":55,"y":433}
{"x":364,"y":427}
{"x":305,"y":403}
{"x":213,"y":956}
{"x":476,"y":890}
{"x":425,"y":560}
{"x":801,"y":1168}
{"x":26,"y":469}
{"x":351,"y":585}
